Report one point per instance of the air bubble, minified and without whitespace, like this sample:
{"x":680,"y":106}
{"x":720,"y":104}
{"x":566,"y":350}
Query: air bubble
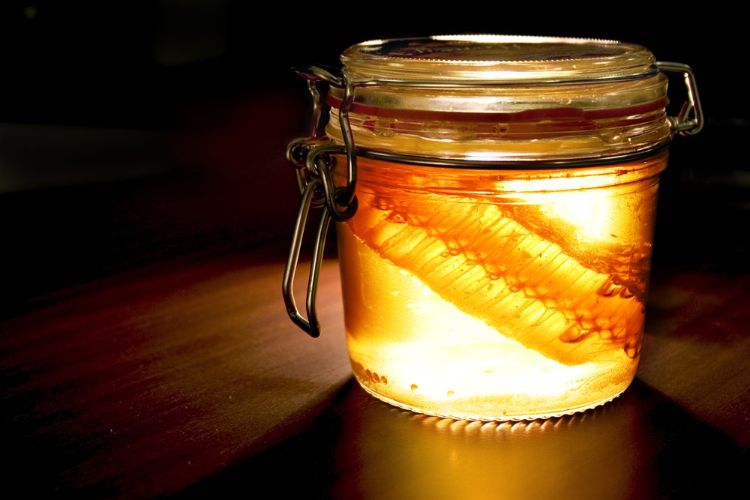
{"x":632,"y":350}
{"x":573,"y":334}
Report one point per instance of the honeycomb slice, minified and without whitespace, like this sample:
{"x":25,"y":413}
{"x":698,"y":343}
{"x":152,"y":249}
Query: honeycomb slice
{"x":497,"y":269}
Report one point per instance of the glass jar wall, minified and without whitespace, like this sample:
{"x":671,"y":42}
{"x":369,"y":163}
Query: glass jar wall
{"x":487,"y":294}
{"x":495,"y":262}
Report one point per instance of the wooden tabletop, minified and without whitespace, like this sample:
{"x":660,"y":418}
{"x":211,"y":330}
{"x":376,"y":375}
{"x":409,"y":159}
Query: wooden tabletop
{"x":188,"y":378}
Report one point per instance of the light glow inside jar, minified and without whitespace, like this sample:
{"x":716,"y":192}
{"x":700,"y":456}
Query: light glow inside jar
{"x":521,"y":304}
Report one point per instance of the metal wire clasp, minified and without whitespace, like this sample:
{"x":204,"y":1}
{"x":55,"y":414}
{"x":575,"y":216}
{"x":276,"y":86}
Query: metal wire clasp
{"x":314,"y":157}
{"x":690,"y":119}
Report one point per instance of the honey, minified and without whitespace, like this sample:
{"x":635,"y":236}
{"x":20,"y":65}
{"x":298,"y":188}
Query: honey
{"x":468,"y":305}
{"x":494,"y":199}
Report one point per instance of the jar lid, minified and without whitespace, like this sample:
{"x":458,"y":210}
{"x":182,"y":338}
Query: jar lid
{"x":499,"y":98}
{"x":496,"y":58}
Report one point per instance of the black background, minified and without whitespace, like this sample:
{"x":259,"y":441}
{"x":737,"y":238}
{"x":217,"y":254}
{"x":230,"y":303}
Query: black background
{"x":209,"y":85}
{"x":98,"y":62}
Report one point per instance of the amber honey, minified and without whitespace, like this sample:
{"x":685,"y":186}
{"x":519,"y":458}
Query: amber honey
{"x":475,"y":304}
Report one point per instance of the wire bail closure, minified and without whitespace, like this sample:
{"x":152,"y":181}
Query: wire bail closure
{"x":689,"y":121}
{"x":314,"y":157}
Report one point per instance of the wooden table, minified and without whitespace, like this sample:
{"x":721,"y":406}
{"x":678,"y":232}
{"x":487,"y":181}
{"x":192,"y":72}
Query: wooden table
{"x":187,"y":378}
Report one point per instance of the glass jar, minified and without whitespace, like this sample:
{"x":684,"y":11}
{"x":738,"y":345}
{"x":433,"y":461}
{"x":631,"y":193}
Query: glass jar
{"x":494,"y":199}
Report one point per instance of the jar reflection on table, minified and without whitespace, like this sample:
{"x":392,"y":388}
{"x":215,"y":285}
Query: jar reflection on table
{"x":384,"y":452}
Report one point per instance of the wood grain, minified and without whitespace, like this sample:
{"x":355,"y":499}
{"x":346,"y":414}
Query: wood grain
{"x":697,"y":348}
{"x":147,"y":383}
{"x":187,"y":377}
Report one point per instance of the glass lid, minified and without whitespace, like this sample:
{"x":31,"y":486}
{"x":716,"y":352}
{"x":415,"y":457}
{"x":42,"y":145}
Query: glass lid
{"x":496,"y":58}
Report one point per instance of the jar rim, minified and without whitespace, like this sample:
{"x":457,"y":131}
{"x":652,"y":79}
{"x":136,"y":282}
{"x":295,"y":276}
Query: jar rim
{"x":495,"y":58}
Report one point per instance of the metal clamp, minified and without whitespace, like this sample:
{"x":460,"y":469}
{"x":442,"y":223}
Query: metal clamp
{"x":311,"y":324}
{"x":690,"y":119}
{"x":315,"y":158}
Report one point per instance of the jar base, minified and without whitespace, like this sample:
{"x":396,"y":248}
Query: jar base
{"x":497,"y":418}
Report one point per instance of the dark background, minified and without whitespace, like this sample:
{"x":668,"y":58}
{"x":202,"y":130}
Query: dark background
{"x":136,"y":132}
